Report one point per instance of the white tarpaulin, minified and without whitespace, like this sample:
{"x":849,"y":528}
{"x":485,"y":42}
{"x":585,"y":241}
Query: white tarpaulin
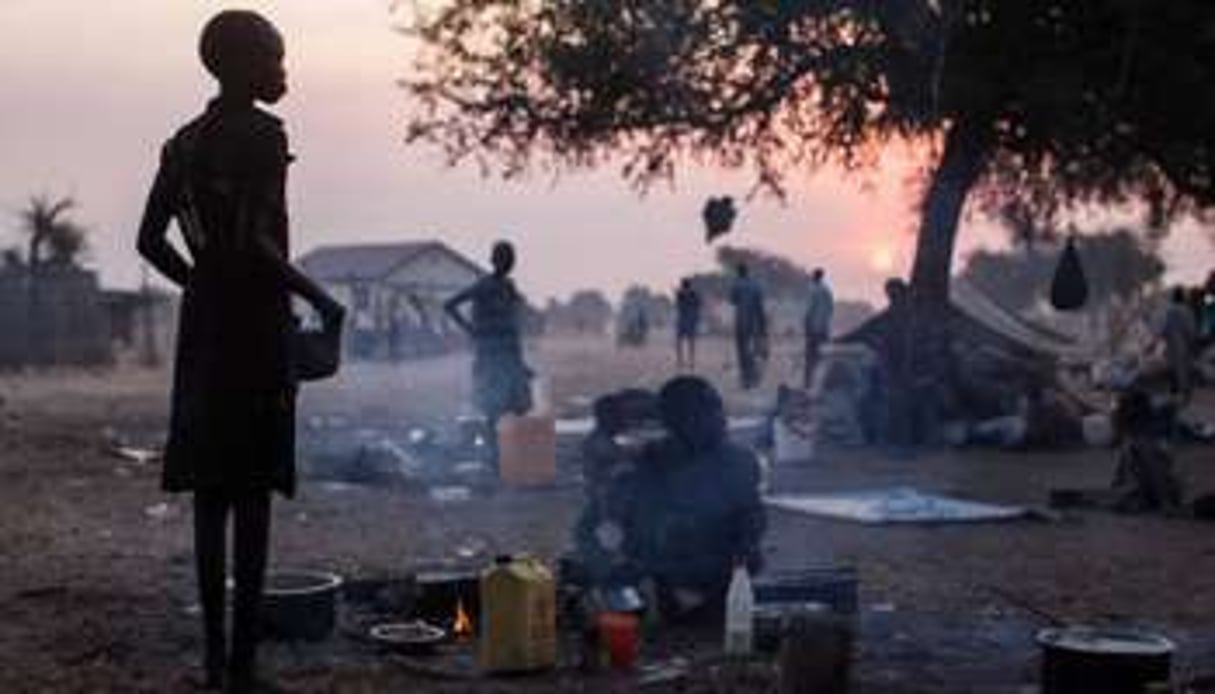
{"x":898,"y":505}
{"x":971,"y":301}
{"x":581,"y":426}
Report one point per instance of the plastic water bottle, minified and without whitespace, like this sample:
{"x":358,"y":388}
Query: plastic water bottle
{"x":740,"y":607}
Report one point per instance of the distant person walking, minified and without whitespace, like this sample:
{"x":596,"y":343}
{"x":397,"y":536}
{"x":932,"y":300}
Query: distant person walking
{"x":501,"y":379}
{"x":820,"y":307}
{"x":231,"y":431}
{"x":1179,"y":333}
{"x":687,"y":324}
{"x":750,"y":327}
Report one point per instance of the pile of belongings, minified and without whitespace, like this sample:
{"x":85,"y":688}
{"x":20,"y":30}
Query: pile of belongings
{"x":843,"y":381}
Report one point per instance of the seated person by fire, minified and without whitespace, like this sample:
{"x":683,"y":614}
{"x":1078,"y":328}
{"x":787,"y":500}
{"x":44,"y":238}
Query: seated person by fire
{"x":672,"y":504}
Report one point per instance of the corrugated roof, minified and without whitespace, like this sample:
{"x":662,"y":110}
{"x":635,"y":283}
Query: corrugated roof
{"x":367,"y":261}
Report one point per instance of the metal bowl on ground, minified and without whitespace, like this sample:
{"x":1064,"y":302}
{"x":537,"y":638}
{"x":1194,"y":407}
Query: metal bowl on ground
{"x":413,"y":638}
{"x":300,"y":605}
{"x":1079,"y":660}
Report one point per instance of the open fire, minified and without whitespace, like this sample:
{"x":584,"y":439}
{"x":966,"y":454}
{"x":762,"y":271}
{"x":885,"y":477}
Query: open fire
{"x":462,"y":626}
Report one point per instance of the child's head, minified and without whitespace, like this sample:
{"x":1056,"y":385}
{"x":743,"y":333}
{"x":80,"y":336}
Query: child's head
{"x":608,"y":416}
{"x":693,"y":412}
{"x":897,"y":291}
{"x":244,"y":51}
{"x":503,"y":258}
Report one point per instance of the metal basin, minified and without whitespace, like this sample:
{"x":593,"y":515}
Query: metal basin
{"x":300,"y":605}
{"x":1078,"y":660}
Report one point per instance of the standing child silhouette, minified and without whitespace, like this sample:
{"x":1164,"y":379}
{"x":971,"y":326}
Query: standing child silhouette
{"x":232,"y":427}
{"x":501,"y":379}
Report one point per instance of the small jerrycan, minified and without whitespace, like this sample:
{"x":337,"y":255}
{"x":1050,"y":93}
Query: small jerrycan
{"x":518,"y":616}
{"x":527,"y":450}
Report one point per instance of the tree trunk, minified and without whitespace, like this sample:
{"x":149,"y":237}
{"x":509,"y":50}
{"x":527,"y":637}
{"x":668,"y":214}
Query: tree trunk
{"x":967,"y":149}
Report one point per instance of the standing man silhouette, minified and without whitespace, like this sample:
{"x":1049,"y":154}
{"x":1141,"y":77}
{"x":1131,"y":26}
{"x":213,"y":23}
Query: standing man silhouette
{"x":820,"y":307}
{"x":750,"y":327}
{"x":687,"y":324}
{"x":232,"y":428}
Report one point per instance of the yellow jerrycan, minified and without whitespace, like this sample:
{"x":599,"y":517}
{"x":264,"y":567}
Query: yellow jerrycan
{"x":518,"y":616}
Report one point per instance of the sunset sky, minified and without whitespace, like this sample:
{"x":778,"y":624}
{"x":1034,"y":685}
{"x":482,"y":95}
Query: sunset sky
{"x":91,"y":90}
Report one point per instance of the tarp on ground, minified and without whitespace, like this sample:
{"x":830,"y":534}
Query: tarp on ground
{"x":581,"y":426}
{"x":899,"y":505}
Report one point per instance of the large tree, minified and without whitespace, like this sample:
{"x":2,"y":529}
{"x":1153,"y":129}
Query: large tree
{"x":1049,"y":103}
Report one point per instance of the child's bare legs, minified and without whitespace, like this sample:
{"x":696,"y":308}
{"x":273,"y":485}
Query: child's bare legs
{"x":251,"y":513}
{"x":250,"y":545}
{"x":210,"y":528}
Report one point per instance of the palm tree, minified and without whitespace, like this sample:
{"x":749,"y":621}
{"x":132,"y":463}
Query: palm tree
{"x":46,"y":223}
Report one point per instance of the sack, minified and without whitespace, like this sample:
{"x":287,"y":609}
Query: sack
{"x":718,"y":215}
{"x":315,"y":354}
{"x":1069,"y":287}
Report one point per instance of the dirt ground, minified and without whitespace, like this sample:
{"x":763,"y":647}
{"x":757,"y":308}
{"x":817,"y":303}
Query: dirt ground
{"x":97,"y":593}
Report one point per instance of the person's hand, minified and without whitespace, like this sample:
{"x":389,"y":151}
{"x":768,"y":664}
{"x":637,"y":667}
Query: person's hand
{"x":333,"y":314}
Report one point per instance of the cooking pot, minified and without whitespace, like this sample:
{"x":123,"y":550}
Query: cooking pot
{"x":299,"y":605}
{"x":1081,"y":660}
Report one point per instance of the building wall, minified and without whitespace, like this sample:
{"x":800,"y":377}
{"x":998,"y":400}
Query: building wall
{"x":402,"y":314}
{"x":58,"y":320}
{"x":143,"y":326}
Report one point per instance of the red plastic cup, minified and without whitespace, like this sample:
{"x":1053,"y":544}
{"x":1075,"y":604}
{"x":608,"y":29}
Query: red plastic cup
{"x":618,"y":634}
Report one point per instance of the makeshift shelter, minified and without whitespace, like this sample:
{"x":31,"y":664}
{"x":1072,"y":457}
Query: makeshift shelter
{"x":997,"y":358}
{"x":975,"y":317}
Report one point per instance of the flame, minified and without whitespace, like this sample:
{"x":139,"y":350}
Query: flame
{"x":462,"y":627}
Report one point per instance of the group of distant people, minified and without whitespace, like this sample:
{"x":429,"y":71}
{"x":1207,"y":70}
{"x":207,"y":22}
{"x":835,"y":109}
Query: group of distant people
{"x":751,"y":325}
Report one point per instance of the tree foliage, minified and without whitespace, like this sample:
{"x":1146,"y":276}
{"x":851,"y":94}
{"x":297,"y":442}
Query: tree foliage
{"x":779,"y":276}
{"x":657,"y":307}
{"x":52,"y":236}
{"x":1042,"y":104}
{"x":587,"y":311}
{"x":1101,"y":100}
